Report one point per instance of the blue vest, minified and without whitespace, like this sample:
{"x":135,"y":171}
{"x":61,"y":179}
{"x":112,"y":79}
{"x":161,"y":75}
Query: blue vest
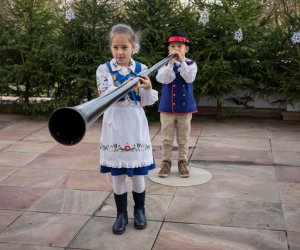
{"x":120,"y":79}
{"x":177,"y":97}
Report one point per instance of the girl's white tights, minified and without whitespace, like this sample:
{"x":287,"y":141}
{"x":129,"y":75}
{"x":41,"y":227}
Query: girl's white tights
{"x":119,"y":184}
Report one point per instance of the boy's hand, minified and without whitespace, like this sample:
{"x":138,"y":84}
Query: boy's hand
{"x":172,"y":61}
{"x":177,"y":56}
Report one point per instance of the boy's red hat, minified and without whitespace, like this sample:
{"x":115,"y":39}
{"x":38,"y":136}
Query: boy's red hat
{"x":178,"y":35}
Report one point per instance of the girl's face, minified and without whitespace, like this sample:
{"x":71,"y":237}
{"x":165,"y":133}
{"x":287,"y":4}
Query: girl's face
{"x":122,"y":49}
{"x":178,"y":47}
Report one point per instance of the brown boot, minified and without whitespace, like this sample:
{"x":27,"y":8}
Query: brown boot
{"x":165,"y":169}
{"x":183,"y":169}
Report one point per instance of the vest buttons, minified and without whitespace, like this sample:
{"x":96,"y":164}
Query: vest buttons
{"x":173,"y":103}
{"x":174,"y":95}
{"x":183,"y":103}
{"x":183,"y":94}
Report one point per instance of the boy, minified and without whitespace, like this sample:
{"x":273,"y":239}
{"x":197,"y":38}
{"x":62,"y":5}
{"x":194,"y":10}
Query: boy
{"x":177,"y":102}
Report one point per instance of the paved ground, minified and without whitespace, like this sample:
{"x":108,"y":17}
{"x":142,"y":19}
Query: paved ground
{"x":53,"y":197}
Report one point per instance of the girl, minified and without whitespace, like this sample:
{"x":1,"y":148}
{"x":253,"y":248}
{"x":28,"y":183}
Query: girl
{"x":125,"y":148}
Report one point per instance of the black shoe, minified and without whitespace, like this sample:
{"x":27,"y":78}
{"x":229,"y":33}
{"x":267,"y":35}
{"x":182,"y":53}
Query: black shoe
{"x":120,"y":223}
{"x":122,"y":216}
{"x":140,"y":221}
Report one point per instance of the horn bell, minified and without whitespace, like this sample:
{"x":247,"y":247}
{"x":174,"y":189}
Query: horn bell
{"x":67,"y":126}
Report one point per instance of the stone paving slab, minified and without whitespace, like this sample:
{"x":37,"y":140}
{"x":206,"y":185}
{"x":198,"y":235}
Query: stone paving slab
{"x":294,"y":240}
{"x":195,"y":130}
{"x":67,"y":201}
{"x":233,"y":155}
{"x":44,"y":229}
{"x":286,"y":158}
{"x":289,"y":192}
{"x":12,"y":246}
{"x":5,"y":143}
{"x":288,"y":174}
{"x":4,"y":124}
{"x":16,"y":159}
{"x":226,"y":212}
{"x":82,"y":148}
{"x":57,"y":161}
{"x":90,"y":163}
{"x":27,"y":124}
{"x":205,"y":143}
{"x":29,"y":146}
{"x":93,"y":134}
{"x":19,"y":198}
{"x":158,"y":189}
{"x":12,"y":118}
{"x":284,"y":145}
{"x":53,"y":197}
{"x":86,"y":180}
{"x":7,"y":217}
{"x":245,"y":172}
{"x":234,"y":132}
{"x":177,"y":236}
{"x":283,"y":125}
{"x":285,"y":135}
{"x":292,"y":217}
{"x":40,"y":135}
{"x":40,"y":178}
{"x":237,"y":122}
{"x":14,"y":134}
{"x":98,"y":235}
{"x":233,"y":189}
{"x":6,"y":171}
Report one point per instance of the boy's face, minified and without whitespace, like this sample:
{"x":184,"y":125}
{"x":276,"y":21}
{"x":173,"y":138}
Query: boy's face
{"x":178,"y":47}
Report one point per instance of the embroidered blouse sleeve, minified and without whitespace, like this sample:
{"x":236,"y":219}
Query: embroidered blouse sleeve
{"x":166,"y":74}
{"x":148,"y":96}
{"x":104,"y":80}
{"x":188,"y":72}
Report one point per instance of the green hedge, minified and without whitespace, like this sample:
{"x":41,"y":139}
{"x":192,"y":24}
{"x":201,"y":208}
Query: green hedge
{"x":250,"y":45}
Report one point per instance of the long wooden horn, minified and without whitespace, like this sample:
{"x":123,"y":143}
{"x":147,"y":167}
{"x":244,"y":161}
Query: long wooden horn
{"x":68,"y":125}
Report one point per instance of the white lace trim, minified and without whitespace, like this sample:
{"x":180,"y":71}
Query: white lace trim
{"x":126,"y":164}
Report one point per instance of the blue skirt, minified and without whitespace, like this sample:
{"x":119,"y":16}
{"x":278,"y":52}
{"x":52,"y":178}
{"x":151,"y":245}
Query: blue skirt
{"x":128,"y":171}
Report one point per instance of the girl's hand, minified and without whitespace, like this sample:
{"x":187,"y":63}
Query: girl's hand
{"x":128,"y":80}
{"x":136,"y":87}
{"x":145,"y":82}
